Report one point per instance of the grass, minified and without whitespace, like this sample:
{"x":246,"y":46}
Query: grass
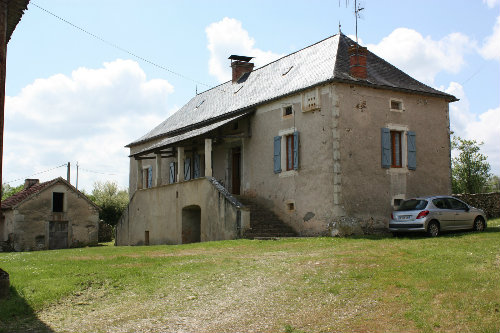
{"x":378,"y":284}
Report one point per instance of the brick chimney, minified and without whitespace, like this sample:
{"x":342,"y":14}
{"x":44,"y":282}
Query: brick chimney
{"x":30,"y":182}
{"x":240,"y":66}
{"x":357,"y":61}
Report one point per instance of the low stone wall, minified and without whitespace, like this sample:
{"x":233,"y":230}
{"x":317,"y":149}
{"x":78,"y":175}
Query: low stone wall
{"x":489,"y":202}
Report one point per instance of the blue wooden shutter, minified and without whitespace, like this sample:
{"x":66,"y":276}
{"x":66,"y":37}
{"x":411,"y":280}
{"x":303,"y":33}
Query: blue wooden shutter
{"x":412,"y":150}
{"x":386,"y":148}
{"x":150,"y":177}
{"x":172,"y":173}
{"x":187,"y":168}
{"x":196,"y":166}
{"x":277,"y":154}
{"x":295,"y":150}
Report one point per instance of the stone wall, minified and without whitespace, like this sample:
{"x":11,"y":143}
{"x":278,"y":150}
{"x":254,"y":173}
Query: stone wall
{"x":489,"y":202}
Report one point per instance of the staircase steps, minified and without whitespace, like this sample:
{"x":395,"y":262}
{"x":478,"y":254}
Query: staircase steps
{"x":264,"y":224}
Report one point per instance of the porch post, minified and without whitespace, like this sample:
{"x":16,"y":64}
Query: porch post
{"x":180,"y":164}
{"x":208,"y":157}
{"x":158,"y":170}
{"x":139,"y":174}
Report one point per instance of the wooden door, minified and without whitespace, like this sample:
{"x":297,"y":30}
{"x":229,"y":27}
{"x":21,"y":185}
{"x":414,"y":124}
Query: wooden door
{"x":58,"y":235}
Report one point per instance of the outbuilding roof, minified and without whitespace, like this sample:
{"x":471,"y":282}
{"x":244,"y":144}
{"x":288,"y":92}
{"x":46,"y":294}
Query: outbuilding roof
{"x":325,"y":61}
{"x":18,"y":198}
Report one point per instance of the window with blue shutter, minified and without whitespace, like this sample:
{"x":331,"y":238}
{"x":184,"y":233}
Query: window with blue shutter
{"x":295,"y":150}
{"x":412,"y":150}
{"x":150,"y":177}
{"x":277,"y":154}
{"x":171,"y":172}
{"x":187,"y":168}
{"x":386,"y":148}
{"x":196,"y":166}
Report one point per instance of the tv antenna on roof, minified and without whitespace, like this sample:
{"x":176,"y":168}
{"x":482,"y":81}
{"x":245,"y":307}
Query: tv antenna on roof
{"x":357,"y":9}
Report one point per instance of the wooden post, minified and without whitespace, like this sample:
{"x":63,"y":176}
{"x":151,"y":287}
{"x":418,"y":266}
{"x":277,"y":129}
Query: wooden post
{"x":158,"y":179}
{"x":180,"y":164}
{"x":140,"y":176}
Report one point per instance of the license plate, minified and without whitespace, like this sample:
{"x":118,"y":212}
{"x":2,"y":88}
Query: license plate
{"x":405,"y":217}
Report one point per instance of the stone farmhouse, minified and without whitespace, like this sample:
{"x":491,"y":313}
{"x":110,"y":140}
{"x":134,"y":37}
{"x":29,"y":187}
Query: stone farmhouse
{"x":49,"y":215}
{"x":324,"y":141}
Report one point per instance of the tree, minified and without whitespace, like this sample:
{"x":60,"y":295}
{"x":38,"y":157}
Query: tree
{"x":8,"y":191}
{"x":470,"y":170}
{"x":110,"y":199}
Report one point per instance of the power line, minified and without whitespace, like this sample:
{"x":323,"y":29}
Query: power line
{"x":37,"y":173}
{"x":119,"y":47}
{"x":98,"y":172}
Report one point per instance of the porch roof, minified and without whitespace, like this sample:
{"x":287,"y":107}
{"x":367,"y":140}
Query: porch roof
{"x":163,"y":143}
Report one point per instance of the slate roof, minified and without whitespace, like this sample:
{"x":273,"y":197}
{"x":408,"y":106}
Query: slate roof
{"x":18,"y":198}
{"x":325,"y":61}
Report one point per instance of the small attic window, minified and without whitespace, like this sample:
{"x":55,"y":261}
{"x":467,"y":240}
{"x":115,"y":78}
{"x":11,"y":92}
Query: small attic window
{"x":287,"y":111}
{"x":199,"y":104}
{"x":396,"y":105}
{"x":57,"y":202}
{"x":286,"y":71}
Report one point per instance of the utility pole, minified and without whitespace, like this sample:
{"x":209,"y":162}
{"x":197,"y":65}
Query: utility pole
{"x":77,"y":175}
{"x":69,"y":173}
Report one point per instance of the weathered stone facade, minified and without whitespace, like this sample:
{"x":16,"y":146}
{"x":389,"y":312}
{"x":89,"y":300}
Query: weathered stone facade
{"x":47,"y":216}
{"x":314,"y":153}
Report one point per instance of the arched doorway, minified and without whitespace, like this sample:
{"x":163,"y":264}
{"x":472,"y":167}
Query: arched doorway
{"x":191,"y":224}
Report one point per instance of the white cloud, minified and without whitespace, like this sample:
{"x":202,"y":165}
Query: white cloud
{"x":491,"y":3}
{"x":491,"y":46}
{"x":422,"y":57}
{"x":484,"y":127}
{"x":86,"y":117}
{"x":228,"y":37}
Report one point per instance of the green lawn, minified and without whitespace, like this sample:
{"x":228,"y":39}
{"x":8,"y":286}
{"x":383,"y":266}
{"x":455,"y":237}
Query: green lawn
{"x":377,"y":284}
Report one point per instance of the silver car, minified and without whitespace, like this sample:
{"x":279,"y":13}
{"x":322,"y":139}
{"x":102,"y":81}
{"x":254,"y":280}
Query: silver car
{"x":435,"y":214}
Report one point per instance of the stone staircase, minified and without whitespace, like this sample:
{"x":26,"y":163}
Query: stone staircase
{"x":264,"y":224}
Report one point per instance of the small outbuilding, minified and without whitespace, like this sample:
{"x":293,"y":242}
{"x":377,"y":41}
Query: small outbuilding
{"x":49,"y":215}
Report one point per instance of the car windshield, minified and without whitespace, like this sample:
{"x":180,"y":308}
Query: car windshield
{"x":413,"y":204}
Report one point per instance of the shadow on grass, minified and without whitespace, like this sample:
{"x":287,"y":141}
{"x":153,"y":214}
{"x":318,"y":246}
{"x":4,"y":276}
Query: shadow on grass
{"x":421,"y":235}
{"x":17,"y":316}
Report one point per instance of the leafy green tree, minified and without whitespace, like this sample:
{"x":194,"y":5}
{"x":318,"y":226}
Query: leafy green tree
{"x":493,"y":184}
{"x":470,"y":170}
{"x":110,"y":199}
{"x":8,"y":191}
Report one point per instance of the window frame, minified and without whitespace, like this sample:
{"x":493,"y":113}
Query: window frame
{"x":290,"y":148}
{"x":399,"y":102}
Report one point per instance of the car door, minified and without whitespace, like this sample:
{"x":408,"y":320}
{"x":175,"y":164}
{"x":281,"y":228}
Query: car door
{"x":444,"y":213}
{"x":463,"y":218}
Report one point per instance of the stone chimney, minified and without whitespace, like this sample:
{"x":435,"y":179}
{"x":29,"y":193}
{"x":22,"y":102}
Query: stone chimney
{"x":357,"y":61}
{"x":240,"y":66}
{"x":30,"y":182}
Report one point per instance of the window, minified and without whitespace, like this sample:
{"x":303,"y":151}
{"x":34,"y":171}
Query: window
{"x":171,"y":173}
{"x":289,"y":152}
{"x":399,"y":148}
{"x":290,"y":159}
{"x":148,"y":177}
{"x":395,"y":149}
{"x":287,"y":111}
{"x":57,"y":202}
{"x":396,"y":105}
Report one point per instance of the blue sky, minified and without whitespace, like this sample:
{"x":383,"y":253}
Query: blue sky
{"x":72,"y":97}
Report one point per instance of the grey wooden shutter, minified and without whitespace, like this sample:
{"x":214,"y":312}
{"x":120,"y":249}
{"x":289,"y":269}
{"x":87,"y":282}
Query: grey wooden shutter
{"x":386,"y":148}
{"x":295,"y":150}
{"x":196,"y":166}
{"x":187,"y":168}
{"x":171,"y":173}
{"x":277,"y":154}
{"x":412,"y":150}
{"x":150,"y":177}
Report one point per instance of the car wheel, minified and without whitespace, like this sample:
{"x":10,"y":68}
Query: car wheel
{"x":433,"y":229}
{"x":478,"y":224}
